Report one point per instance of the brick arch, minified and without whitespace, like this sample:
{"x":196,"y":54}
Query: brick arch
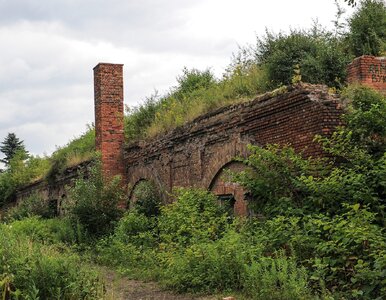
{"x":144,"y":174}
{"x":222,"y":186}
{"x":132,"y":189}
{"x":226,"y":154}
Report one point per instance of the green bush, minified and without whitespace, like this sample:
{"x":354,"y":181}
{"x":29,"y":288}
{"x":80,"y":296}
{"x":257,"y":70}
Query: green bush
{"x":21,"y":171}
{"x":350,"y":252}
{"x":53,"y":231}
{"x":211,"y":266}
{"x":31,"y":270}
{"x":147,"y":198}
{"x":93,"y":202}
{"x":276,"y":277}
{"x":194,"y":217}
{"x":132,"y":248}
{"x":137,"y":229}
{"x":317,"y":55}
{"x":34,"y":205}
{"x":273,"y":178}
{"x":367,"y":26}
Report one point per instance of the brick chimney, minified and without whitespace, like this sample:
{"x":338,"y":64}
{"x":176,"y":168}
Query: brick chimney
{"x":368,"y":70}
{"x":109,"y":133}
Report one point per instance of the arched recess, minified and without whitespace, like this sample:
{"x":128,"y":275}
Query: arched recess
{"x":230,"y":194}
{"x":138,"y":174}
{"x":131,"y":199}
{"x":155,"y":190}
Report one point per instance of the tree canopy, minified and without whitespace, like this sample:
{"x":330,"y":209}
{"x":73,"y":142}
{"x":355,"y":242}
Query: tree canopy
{"x":10,"y":146}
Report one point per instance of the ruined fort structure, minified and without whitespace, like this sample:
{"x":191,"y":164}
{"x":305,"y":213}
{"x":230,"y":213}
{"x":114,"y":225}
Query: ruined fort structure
{"x":197,"y":153}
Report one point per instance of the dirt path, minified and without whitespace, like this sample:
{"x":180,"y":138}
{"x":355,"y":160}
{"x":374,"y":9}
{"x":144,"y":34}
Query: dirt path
{"x":120,"y":287}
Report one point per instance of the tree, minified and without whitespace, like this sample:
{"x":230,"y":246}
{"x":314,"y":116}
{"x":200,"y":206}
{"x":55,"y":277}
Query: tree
{"x":368,"y":28}
{"x":10,"y":146}
{"x":314,"y":54}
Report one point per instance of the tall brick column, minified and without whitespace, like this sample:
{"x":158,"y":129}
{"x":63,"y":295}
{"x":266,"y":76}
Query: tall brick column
{"x":109,"y":134}
{"x":368,"y":70}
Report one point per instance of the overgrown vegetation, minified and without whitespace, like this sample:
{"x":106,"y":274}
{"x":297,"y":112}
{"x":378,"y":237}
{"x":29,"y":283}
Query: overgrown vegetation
{"x":94,"y":202}
{"x":313,"y":55}
{"x":33,"y":268}
{"x":367,"y":29}
{"x":319,"y":233}
{"x":23,"y":168}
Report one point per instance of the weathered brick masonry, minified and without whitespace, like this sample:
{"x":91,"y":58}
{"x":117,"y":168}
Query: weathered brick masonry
{"x":197,"y":153}
{"x":109,"y":128}
{"x":368,"y":70}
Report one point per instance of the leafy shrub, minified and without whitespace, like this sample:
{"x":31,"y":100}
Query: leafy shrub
{"x":319,"y":56}
{"x":21,"y":171}
{"x":138,"y":119}
{"x":277,"y":277}
{"x":194,"y":217}
{"x":350,"y":252}
{"x":132,"y":247}
{"x":137,"y":229}
{"x":366,"y":119}
{"x":94,"y":202}
{"x":273,"y":179}
{"x":53,"y":231}
{"x":192,"y":80}
{"x":367,"y":33}
{"x":147,"y":198}
{"x":34,"y":205}
{"x":31,"y":270}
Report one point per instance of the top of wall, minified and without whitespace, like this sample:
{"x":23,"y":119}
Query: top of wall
{"x":235,"y":118}
{"x":368,"y":70}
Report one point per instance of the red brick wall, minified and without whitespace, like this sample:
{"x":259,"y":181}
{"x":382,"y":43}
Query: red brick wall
{"x":194,"y":155}
{"x":109,"y":125}
{"x":368,"y":70}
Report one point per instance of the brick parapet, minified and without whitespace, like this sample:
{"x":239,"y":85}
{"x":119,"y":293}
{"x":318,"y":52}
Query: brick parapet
{"x":369,"y":71}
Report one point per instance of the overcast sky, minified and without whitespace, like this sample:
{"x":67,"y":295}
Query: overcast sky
{"x":49,"y":48}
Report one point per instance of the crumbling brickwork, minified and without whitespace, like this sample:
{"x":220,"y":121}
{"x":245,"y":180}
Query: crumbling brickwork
{"x":196,"y":153}
{"x":368,"y":70}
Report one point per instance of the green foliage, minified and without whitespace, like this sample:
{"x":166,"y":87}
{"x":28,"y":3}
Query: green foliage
{"x":34,"y":205}
{"x":138,"y":119}
{"x":147,"y":198}
{"x":368,"y":29}
{"x":318,"y":56}
{"x":209,"y":266}
{"x":274,"y":178}
{"x":21,"y":171}
{"x":193,"y":80}
{"x":10,"y":146}
{"x":194,"y":217}
{"x":32,"y":270}
{"x":276,"y":277}
{"x":76,"y":151}
{"x":94,"y":202}
{"x":367,"y":119}
{"x":52,"y":231}
{"x":350,"y":252}
{"x":132,"y":248}
{"x":136,"y":228}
